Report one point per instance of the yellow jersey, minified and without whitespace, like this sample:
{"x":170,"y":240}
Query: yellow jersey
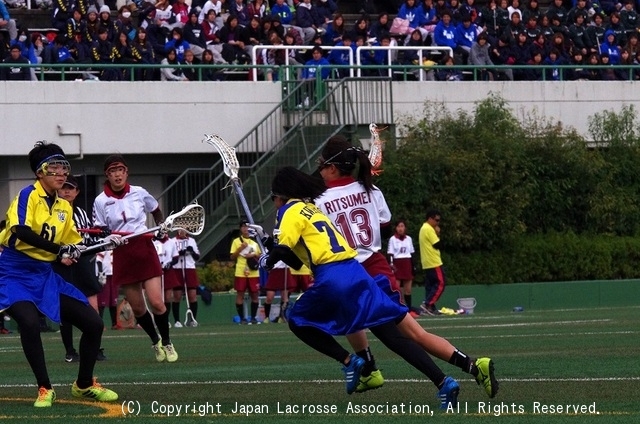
{"x":429,"y":256}
{"x":310,"y":234}
{"x":302,"y":271}
{"x":51,"y":218}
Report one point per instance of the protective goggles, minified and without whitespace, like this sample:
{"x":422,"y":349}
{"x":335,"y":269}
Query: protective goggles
{"x":56,"y":167}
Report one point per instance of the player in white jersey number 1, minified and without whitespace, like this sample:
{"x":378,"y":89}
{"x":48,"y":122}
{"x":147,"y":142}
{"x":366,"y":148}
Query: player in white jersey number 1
{"x":123,"y":207}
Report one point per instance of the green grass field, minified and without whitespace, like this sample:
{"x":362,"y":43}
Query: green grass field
{"x":562,"y":357}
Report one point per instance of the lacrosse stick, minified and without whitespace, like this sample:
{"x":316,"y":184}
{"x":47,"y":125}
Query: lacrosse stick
{"x":189,"y":219}
{"x":98,"y":231}
{"x":375,"y":149}
{"x":284,"y":300}
{"x":189,"y":319}
{"x":231,"y":166}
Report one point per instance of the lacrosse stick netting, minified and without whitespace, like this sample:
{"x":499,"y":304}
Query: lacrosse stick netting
{"x":231,"y":167}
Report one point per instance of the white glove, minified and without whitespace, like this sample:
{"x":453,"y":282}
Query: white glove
{"x":102,"y":278}
{"x":114,"y":241}
{"x":256,"y":230}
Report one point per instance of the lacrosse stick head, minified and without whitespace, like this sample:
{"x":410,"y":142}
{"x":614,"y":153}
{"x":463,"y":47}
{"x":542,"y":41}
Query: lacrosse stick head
{"x":189,"y":219}
{"x":227,"y":153}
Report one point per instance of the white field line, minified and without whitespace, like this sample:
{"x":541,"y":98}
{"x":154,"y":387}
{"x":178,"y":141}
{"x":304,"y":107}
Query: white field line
{"x":391,"y":380}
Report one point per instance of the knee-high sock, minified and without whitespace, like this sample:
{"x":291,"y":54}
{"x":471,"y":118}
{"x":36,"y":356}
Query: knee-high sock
{"x":194,"y":308}
{"x":113,"y":312}
{"x":162,"y":322}
{"x":267,"y":310}
{"x":254,"y":309}
{"x":175,"y":309}
{"x":320,"y":341}
{"x":464,"y":362}
{"x":409,"y":351}
{"x":146,"y":322}
{"x":240,"y":310}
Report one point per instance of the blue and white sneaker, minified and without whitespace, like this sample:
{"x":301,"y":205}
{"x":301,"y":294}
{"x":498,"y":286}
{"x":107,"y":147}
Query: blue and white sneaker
{"x":448,"y":394}
{"x":352,"y":372}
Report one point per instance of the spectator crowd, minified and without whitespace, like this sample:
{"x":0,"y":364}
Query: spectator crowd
{"x":183,"y":32}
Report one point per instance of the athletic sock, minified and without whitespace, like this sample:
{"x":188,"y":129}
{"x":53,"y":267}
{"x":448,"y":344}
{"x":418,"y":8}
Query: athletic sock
{"x":254,"y":309}
{"x":113,"y":311}
{"x":267,"y":310}
{"x":240,"y":310}
{"x":407,"y":300}
{"x":369,"y":361}
{"x":462,"y":361}
{"x":162,"y":322}
{"x":175,"y":308}
{"x":194,"y":308}
{"x":146,"y":322}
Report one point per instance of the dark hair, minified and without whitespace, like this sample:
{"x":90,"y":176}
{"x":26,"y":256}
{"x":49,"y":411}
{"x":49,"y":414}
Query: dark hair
{"x":110,"y":160}
{"x":432,"y":213}
{"x":291,"y":183}
{"x":340,"y":152}
{"x":41,"y":152}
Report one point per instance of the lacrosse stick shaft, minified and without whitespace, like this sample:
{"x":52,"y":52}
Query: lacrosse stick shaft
{"x":245,"y":206}
{"x":101,"y":246}
{"x":98,"y":231}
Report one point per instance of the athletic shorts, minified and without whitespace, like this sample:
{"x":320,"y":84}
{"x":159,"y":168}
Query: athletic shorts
{"x":404,"y":268}
{"x":303,"y":281}
{"x":276,"y":280}
{"x":190,"y":274}
{"x":135,"y":262}
{"x":108,"y":297}
{"x":171,"y":279}
{"x":243,"y":284}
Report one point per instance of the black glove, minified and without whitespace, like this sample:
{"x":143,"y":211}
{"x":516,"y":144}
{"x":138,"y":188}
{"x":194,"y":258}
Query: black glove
{"x":190,"y":249}
{"x":104,"y":232}
{"x":182,"y":252}
{"x":167,"y":265}
{"x":70,"y":251}
{"x":160,"y":235}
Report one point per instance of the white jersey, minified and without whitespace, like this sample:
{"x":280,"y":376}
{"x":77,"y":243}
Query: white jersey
{"x":106,"y":259}
{"x":400,"y":248}
{"x":210,"y":4}
{"x":127,"y":213}
{"x":165,"y":251}
{"x":357,"y":214}
{"x":182,"y":244}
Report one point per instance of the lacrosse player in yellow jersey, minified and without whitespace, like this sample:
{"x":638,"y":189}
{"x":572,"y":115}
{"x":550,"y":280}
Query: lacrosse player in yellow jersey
{"x":40,"y":230}
{"x":344,"y":299}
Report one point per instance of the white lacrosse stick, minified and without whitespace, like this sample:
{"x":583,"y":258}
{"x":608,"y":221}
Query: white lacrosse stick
{"x":231,"y":166}
{"x":375,"y":149}
{"x":190,"y":219}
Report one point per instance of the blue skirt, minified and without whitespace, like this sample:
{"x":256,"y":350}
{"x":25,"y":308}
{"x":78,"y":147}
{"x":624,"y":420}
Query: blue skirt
{"x":23,"y":278}
{"x":345,"y":299}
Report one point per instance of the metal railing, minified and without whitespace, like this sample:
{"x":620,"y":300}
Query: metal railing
{"x":399,"y":71}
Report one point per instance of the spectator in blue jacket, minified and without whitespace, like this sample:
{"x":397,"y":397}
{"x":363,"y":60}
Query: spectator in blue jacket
{"x":341,"y":57}
{"x":610,"y":46}
{"x":310,"y":69}
{"x":466,"y":35}
{"x":178,"y":43}
{"x":445,"y":33}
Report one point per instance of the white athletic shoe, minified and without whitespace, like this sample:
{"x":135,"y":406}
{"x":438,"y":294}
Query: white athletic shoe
{"x":177,"y":324}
